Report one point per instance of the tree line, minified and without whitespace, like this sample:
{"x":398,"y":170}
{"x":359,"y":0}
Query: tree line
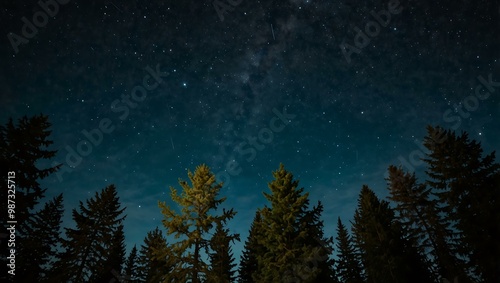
{"x":440,"y":227}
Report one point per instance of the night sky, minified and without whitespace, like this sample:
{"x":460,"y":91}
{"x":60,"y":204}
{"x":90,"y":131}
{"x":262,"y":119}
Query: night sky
{"x":335,"y":90}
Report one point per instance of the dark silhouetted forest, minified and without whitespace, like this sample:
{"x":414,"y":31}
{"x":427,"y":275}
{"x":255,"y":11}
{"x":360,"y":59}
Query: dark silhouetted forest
{"x":442,"y":226}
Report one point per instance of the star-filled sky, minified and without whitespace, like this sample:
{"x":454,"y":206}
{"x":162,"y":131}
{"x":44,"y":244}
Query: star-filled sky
{"x":139,"y":92}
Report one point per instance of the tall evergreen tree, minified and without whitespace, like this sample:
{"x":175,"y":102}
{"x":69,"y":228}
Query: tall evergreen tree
{"x":194,"y":222}
{"x":323,"y":246}
{"x":418,"y":215}
{"x":154,"y":258}
{"x":386,"y":254}
{"x":221,"y":257}
{"x":469,"y":196}
{"x":94,"y":250}
{"x":289,"y":255}
{"x":24,"y":148}
{"x":131,"y":269}
{"x":113,"y":269}
{"x":348,"y":266}
{"x":251,"y":250}
{"x":38,"y":249}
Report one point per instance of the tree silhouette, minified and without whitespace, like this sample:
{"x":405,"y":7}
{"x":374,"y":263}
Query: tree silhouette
{"x":251,"y":250}
{"x":154,"y":258}
{"x":386,"y":254}
{"x":418,"y":215}
{"x":131,"y":270}
{"x":113,"y":269}
{"x":348,"y":266}
{"x":23,"y":148}
{"x":39,"y":248}
{"x":94,"y":250}
{"x":323,"y":247}
{"x":467,"y":188}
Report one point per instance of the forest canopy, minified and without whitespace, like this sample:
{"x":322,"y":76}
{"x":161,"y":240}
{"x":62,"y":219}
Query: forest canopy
{"x":438,"y":227}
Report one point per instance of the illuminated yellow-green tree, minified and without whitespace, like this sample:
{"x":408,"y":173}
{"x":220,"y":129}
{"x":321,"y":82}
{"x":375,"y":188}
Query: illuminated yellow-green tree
{"x":193,"y":223}
{"x":291,"y":245}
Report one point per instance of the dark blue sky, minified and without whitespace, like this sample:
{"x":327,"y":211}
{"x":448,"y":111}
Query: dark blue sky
{"x":165,"y":86}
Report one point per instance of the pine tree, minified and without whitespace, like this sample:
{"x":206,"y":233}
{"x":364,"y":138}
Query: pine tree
{"x":348,"y":266}
{"x":194,"y":222}
{"x":221,"y":258}
{"x":39,"y":248}
{"x":154,"y":258}
{"x":386,"y":254}
{"x":288,"y":256}
{"x":95,"y":249}
{"x":468,"y":195}
{"x":251,"y":250}
{"x":418,"y":215}
{"x":131,"y":270}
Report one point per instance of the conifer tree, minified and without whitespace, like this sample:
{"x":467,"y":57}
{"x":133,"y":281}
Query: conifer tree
{"x":288,"y":255}
{"x":154,"y":258}
{"x":386,"y":254}
{"x":131,"y":269}
{"x":418,"y":215}
{"x":23,"y":148}
{"x":469,"y":197}
{"x":323,"y":247}
{"x":113,"y":269}
{"x":221,"y":257}
{"x":251,"y":250}
{"x":94,"y":250}
{"x":38,"y":249}
{"x":348,"y":266}
{"x":197,"y":218}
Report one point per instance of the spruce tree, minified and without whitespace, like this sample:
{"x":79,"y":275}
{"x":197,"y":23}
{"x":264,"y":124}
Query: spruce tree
{"x":418,"y":215}
{"x":221,"y":257}
{"x":386,"y":254}
{"x":24,"y":147}
{"x":199,"y":203}
{"x":154,"y":258}
{"x":469,"y":196}
{"x":323,"y":246}
{"x":113,"y":269}
{"x":289,"y":256}
{"x":94,"y":250}
{"x":251,"y":250}
{"x":41,"y":238}
{"x":348,"y":266}
{"x":131,"y":268}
